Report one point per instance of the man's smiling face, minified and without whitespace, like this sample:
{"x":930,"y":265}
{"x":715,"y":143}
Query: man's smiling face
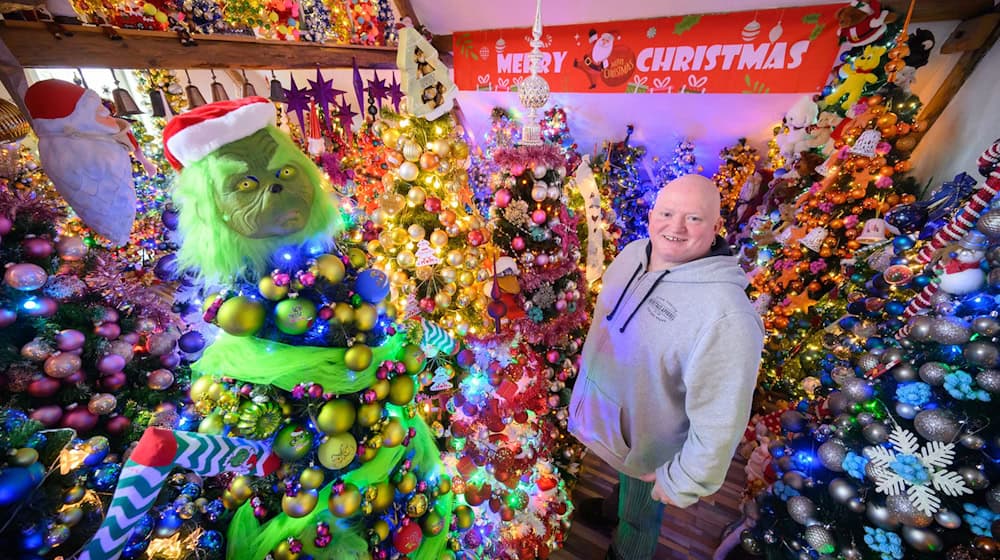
{"x":684,"y":221}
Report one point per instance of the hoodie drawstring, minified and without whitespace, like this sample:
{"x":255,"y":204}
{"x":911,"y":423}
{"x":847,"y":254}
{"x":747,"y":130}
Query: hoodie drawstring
{"x":649,"y":292}
{"x":625,"y":291}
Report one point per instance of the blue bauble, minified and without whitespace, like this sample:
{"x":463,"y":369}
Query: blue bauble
{"x":214,"y":509}
{"x":920,"y":281}
{"x":191,"y":490}
{"x":895,"y":308}
{"x":99,"y":448}
{"x":902,"y":243}
{"x":134,"y":548}
{"x":874,"y":342}
{"x":14,"y":419}
{"x":191,"y":342}
{"x":170,"y":522}
{"x":848,"y":323}
{"x":372,"y":285}
{"x":105,"y":477}
{"x":211,"y":542}
{"x":856,"y":308}
{"x":37,"y":440}
{"x":166,"y":268}
{"x":16,"y":483}
{"x":170,"y":219}
{"x":32,"y":537}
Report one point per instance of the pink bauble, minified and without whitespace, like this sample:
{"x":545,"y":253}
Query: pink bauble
{"x":71,"y":248}
{"x":541,"y":259}
{"x":109,"y":331}
{"x":25,"y":276}
{"x":113,"y":382}
{"x":49,"y":415}
{"x":131,"y":338}
{"x":40,"y":307}
{"x":539,"y":216}
{"x":43,"y":387}
{"x":37,"y":248}
{"x":7,"y":317}
{"x":432,"y":204}
{"x":70,"y":339}
{"x":516,"y":170}
{"x":36,"y":350}
{"x":160,"y":379}
{"x":502,"y":198}
{"x":80,"y":419}
{"x":561,"y":305}
{"x":552,"y":356}
{"x":5,"y":225}
{"x":517,"y":243}
{"x":77,"y":376}
{"x":121,"y":348}
{"x":170,"y":359}
{"x":476,"y":238}
{"x":117,"y":425}
{"x":108,"y":315}
{"x":62,"y":364}
{"x":111,"y":363}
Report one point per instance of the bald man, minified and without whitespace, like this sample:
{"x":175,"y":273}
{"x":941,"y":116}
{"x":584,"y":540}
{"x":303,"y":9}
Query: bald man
{"x":668,"y":369}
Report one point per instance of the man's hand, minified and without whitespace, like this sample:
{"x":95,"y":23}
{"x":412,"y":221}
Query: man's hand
{"x":651,"y":477}
{"x":657,"y":493}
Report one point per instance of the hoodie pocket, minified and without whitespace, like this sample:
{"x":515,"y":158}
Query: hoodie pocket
{"x":597,"y":420}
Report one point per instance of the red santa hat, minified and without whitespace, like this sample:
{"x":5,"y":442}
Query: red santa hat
{"x":55,"y":105}
{"x":190,"y":136}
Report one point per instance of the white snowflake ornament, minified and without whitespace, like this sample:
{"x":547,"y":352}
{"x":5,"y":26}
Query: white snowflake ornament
{"x":916,"y":471}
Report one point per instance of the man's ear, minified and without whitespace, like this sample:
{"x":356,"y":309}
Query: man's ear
{"x":718,"y":225}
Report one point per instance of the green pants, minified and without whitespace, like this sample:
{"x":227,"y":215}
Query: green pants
{"x":639,"y":520}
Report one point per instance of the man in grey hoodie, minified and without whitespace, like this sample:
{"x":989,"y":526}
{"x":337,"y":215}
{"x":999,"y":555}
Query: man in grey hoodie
{"x":669,"y":366}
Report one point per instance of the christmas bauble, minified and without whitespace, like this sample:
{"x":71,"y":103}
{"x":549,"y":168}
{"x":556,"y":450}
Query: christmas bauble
{"x":414,"y":359}
{"x":407,"y":538}
{"x":950,"y":330}
{"x":401,"y":390}
{"x":365,"y":317}
{"x":433,"y":523}
{"x":358,"y":357}
{"x":337,"y":451}
{"x":331,"y":268}
{"x":240,"y":316}
{"x":881,"y":516}
{"x":922,"y":539}
{"x":820,"y":539}
{"x":933,"y":373}
{"x":311,"y":478}
{"x":372,"y":285}
{"x":408,"y":171}
{"x":37,"y":248}
{"x":841,"y":490}
{"x":336,"y":416}
{"x":801,"y":509}
{"x":384,"y":495}
{"x":982,"y":353}
{"x":831,"y":454}
{"x":23,"y":457}
{"x":411,"y":151}
{"x":937,"y":425}
{"x":191,"y":342}
{"x":369,"y":414}
{"x":989,"y":224}
{"x":17,"y":482}
{"x":464,"y":516}
{"x":63,"y":364}
{"x":70,"y":339}
{"x":345,"y":503}
{"x":299,"y":505}
{"x":989,"y":379}
{"x":79,"y":419}
{"x":160,"y":379}
{"x":293,"y":442}
{"x":294,"y":316}
{"x":25,"y":277}
{"x":920,"y":328}
{"x":393,"y":433}
{"x":270,"y":290}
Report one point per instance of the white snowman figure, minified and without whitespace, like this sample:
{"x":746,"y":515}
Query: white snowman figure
{"x":961,"y":273}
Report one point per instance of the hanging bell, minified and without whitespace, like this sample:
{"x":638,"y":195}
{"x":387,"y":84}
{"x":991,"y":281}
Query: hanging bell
{"x":873,"y":232}
{"x":161,"y":108}
{"x":125,"y":106}
{"x":13,"y":125}
{"x":277,"y":92}
{"x":218,"y":90}
{"x":194,"y":96}
{"x":248,"y":89}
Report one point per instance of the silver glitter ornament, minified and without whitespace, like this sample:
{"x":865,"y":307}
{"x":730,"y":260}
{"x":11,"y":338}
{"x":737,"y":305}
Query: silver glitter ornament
{"x":993,"y":278}
{"x":904,"y":372}
{"x":891,"y":355}
{"x":793,"y":421}
{"x":933,"y":373}
{"x":820,"y":539}
{"x":841,"y":490}
{"x":840,"y":373}
{"x":857,"y":390}
{"x":948,"y":519}
{"x":989,"y":379}
{"x":993,"y":498}
{"x":973,"y":441}
{"x":974,"y":478}
{"x":851,"y":553}
{"x":876,"y":433}
{"x":856,"y":505}
{"x":906,"y":410}
{"x":988,"y":326}
{"x":794,"y":479}
{"x":950,"y":330}
{"x":903,"y":510}
{"x":832,"y":454}
{"x":993,"y":256}
{"x":989,"y":224}
{"x":880,"y":516}
{"x":837,"y":402}
{"x":751,"y":543}
{"x":937,"y":425}
{"x":801,"y":509}
{"x":867,"y":361}
{"x":921,"y":539}
{"x":982,"y":353}
{"x":920,"y":328}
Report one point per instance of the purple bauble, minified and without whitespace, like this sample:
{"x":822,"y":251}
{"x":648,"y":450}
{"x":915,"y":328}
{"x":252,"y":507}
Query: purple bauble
{"x":40,"y":307}
{"x":37,"y":248}
{"x":70,"y":339}
{"x":49,"y":415}
{"x":80,"y":419}
{"x":113,"y":382}
{"x":5,"y":225}
{"x":191,"y":342}
{"x":25,"y":276}
{"x":111,"y":363}
{"x":109,"y":331}
{"x":170,"y":219}
{"x":7,"y":317}
{"x":166,"y":268}
{"x":77,"y":376}
{"x":170,"y":359}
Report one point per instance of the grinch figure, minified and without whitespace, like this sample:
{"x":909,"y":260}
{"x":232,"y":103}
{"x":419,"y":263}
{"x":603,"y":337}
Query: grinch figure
{"x":310,"y":373}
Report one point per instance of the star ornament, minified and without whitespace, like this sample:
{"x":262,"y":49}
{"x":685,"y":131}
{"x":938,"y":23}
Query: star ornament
{"x":297,"y":102}
{"x":345,"y":114}
{"x":324,"y":93}
{"x":395,"y":93}
{"x":377,"y":88}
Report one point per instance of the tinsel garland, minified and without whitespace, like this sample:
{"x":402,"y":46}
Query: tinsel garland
{"x":124,"y":293}
{"x":551,"y":332}
{"x":523,"y":156}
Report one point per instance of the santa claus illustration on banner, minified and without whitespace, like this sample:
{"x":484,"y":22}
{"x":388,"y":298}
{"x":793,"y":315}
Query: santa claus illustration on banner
{"x":605,"y":60}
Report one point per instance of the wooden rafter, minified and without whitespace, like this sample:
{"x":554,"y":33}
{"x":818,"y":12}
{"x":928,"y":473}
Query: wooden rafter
{"x":940,"y":10}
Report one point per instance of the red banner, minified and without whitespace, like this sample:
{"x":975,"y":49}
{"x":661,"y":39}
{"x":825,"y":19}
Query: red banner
{"x":785,"y":50}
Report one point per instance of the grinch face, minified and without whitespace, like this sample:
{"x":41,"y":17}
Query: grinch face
{"x":260,"y":196}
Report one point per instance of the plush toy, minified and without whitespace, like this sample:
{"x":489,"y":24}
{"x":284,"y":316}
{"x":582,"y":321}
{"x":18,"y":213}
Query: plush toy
{"x":856,"y":75}
{"x":797,"y":119}
{"x":245,"y":189}
{"x":961,"y":273}
{"x":821,"y":133}
{"x":862,"y":22}
{"x":921,"y":42}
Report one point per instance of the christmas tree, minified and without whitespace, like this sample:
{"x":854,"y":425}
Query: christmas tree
{"x":624,"y":181}
{"x":682,"y":163}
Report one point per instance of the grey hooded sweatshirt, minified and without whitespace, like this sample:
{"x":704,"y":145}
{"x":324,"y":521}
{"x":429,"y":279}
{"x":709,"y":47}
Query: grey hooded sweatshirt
{"x":668,"y":370}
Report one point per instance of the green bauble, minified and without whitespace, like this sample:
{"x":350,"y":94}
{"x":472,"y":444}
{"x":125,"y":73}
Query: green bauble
{"x":240,"y":316}
{"x":358,"y":357}
{"x":331,"y":268}
{"x":336,"y":416}
{"x":270,"y":290}
{"x":401,"y":390}
{"x":464,"y":517}
{"x":211,"y":425}
{"x":365,"y":317}
{"x":293,"y":442}
{"x":338,"y":451}
{"x":384,"y":495}
{"x":369,"y":414}
{"x":347,"y":502}
{"x":259,"y":420}
{"x":413,"y":359}
{"x":357,"y":257}
{"x":294,"y":316}
{"x":433,"y":523}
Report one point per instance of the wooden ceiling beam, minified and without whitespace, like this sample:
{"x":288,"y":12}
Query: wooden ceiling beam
{"x":940,"y":10}
{"x":34,"y":47}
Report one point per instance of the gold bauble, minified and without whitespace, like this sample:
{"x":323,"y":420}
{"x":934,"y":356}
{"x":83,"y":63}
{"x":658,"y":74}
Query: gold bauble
{"x":378,"y":217}
{"x":331,"y":268}
{"x":358,"y":357}
{"x":384,"y":495}
{"x":407,"y":483}
{"x":429,"y":161}
{"x":412,"y":151}
{"x":401,"y":390}
{"x":369,"y":454}
{"x":414,"y":359}
{"x":408,"y":171}
{"x":464,"y":517}
{"x":455,"y":257}
{"x":211,"y":424}
{"x":417,"y":506}
{"x":460,"y":150}
{"x":369,"y":414}
{"x":199,"y":389}
{"x":299,"y":505}
{"x":444,"y":485}
{"x":311,"y":478}
{"x":439,"y":238}
{"x":240,"y":316}
{"x":380,"y":529}
{"x":365,"y":317}
{"x":229,"y":502}
{"x":399,"y":236}
{"x":23,"y":457}
{"x":442,"y":300}
{"x":347,"y":502}
{"x":393,"y":433}
{"x":448,"y":274}
{"x":337,"y":451}
{"x":385,"y":239}
{"x":440,"y":147}
{"x":336,"y":416}
{"x":357,"y":257}
{"x":240,"y":489}
{"x":70,"y":516}
{"x":381,"y":388}
{"x":284,"y":551}
{"x":466,"y":278}
{"x":416,"y":196}
{"x":406,"y":259}
{"x":270,"y":290}
{"x":399,"y":277}
{"x":343,"y":313}
{"x":393,"y":203}
{"x":416,"y":232}
{"x":390,"y":136}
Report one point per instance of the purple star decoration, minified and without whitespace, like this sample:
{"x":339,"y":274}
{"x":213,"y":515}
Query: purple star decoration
{"x":345,"y":114}
{"x":377,"y":89}
{"x":297,"y":101}
{"x":395,"y":93}
{"x":359,"y":85}
{"x":324,"y":94}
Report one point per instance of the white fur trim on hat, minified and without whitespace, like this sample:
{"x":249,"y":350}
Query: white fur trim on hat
{"x":196,"y":141}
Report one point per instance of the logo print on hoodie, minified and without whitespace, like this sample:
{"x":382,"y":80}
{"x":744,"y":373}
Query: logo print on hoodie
{"x":661,"y":309}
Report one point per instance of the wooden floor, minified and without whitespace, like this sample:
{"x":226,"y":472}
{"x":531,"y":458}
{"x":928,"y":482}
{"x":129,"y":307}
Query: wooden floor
{"x":687,"y":534}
